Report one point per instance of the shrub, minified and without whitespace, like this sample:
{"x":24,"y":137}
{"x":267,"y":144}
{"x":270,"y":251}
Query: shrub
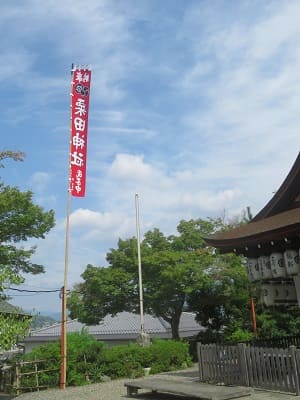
{"x":239,"y":335}
{"x":83,"y":352}
{"x":129,"y":360}
{"x":169,"y":355}
{"x":90,"y":360}
{"x":47,"y":358}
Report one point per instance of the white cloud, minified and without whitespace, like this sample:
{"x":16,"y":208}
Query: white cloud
{"x":276,"y":31}
{"x":40,"y":181}
{"x":15,"y":63}
{"x":250,"y":101}
{"x":110,"y":116}
{"x":145,"y":133}
{"x":194,"y":79}
{"x":94,"y":225}
{"x":97,"y":34}
{"x":131,"y":167}
{"x":165,"y":195}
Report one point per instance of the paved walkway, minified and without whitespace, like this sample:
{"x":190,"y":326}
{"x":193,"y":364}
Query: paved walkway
{"x":115,"y":390}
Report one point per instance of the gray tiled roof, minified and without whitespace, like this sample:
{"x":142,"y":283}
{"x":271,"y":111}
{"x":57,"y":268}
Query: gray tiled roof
{"x":122,"y":325}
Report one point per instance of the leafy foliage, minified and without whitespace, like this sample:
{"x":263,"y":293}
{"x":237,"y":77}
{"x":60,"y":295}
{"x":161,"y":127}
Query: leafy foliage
{"x":278,"y":321}
{"x":182,"y":272}
{"x":105,"y":291}
{"x":223,"y":303}
{"x":13,"y":326}
{"x":89,"y":360}
{"x":82,"y":353}
{"x":178,"y":271}
{"x":20,"y":220}
{"x":129,"y":360}
{"x":48,"y":358}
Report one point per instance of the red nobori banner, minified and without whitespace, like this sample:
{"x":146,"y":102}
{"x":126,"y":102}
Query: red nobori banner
{"x":80,"y":96}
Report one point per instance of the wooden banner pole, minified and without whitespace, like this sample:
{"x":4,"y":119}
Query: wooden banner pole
{"x":63,"y":340}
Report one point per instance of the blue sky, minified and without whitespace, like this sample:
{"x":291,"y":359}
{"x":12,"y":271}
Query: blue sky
{"x":194,"y":105}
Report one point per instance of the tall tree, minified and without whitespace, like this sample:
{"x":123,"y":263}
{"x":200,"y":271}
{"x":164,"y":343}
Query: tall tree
{"x":180,"y":272}
{"x":173,"y":268}
{"x":20,"y":220}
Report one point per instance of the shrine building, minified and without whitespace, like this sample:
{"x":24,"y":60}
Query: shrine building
{"x":271,"y":242}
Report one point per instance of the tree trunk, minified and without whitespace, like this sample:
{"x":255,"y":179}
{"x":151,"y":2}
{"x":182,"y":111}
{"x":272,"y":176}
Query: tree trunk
{"x":175,"y":326}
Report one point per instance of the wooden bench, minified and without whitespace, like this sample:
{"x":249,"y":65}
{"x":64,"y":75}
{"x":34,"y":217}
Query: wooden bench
{"x":191,"y":389}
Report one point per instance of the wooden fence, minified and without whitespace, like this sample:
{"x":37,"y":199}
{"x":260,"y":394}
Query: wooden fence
{"x":12,"y":379}
{"x":221,"y":364}
{"x":265,"y":368}
{"x":6,"y":378}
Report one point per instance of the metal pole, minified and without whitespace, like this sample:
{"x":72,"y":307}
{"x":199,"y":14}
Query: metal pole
{"x":137,"y":213}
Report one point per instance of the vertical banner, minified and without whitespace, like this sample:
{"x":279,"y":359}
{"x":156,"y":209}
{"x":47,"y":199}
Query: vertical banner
{"x":80,"y":96}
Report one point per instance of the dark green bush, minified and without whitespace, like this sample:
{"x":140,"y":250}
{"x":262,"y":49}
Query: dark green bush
{"x":89,"y":361}
{"x":129,"y":360}
{"x":169,"y":355}
{"x":122,"y":361}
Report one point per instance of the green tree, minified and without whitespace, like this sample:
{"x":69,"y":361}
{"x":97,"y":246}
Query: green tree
{"x":104,"y":291}
{"x":277,"y":321}
{"x":20,"y":220}
{"x":173,"y":268}
{"x":181,"y":272}
{"x":223,"y":304}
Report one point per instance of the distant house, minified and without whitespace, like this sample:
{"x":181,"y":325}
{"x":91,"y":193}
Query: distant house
{"x":122,"y":328}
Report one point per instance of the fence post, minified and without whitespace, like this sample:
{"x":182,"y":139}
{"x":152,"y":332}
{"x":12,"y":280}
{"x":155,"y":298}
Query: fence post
{"x":17,"y":379}
{"x":243,"y":362}
{"x":292,"y":351}
{"x":36,"y":377}
{"x":200,"y":361}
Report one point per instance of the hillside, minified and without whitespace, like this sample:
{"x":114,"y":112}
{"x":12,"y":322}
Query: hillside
{"x":39,"y":321}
